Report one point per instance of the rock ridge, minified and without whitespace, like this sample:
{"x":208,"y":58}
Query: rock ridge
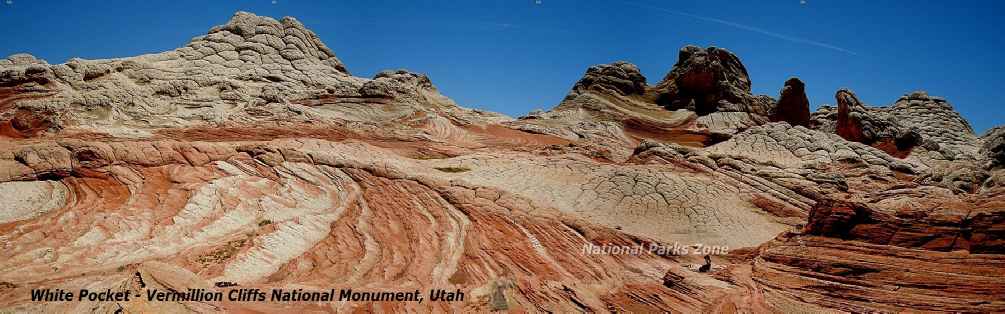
{"x":252,"y":157}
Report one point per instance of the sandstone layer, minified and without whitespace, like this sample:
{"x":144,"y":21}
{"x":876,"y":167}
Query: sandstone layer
{"x":252,"y":157}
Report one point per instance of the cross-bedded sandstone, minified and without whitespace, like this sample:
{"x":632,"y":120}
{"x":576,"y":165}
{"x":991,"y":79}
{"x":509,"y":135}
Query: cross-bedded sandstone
{"x":252,"y":157}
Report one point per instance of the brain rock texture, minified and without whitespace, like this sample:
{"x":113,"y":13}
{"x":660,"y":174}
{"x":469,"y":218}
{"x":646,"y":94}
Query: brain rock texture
{"x":252,"y":157}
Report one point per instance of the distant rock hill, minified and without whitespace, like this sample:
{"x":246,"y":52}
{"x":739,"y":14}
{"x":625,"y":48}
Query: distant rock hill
{"x":252,"y":157}
{"x":251,"y":69}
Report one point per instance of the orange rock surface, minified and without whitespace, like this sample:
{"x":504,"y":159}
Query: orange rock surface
{"x":270,"y":167}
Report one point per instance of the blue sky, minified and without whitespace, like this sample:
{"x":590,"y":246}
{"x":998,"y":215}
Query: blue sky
{"x":513,"y":56}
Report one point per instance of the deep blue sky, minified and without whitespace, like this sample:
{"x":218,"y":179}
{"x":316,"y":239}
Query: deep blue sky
{"x":513,"y":56}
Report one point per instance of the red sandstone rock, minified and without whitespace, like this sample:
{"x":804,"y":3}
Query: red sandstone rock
{"x":793,"y":106}
{"x":857,"y":123}
{"x":322,"y":180}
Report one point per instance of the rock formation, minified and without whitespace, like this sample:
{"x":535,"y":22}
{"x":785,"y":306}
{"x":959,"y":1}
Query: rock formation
{"x":251,"y":69}
{"x":620,"y":77}
{"x":703,"y":100}
{"x":706,"y":81}
{"x":793,"y":106}
{"x":902,"y":250}
{"x":855,"y":122}
{"x":945,"y":134}
{"x":993,"y":147}
{"x":714,"y":84}
{"x":251,"y":158}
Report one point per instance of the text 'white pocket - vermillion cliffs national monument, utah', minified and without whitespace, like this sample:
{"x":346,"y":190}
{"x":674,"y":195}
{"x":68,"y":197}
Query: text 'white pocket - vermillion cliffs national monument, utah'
{"x":251,"y":160}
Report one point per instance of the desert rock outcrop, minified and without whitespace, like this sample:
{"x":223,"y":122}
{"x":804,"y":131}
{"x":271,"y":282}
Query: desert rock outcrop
{"x":945,"y":134}
{"x":707,"y":80}
{"x":993,"y":147}
{"x":793,"y":106}
{"x":714,"y":84}
{"x":252,"y":157}
{"x":619,"y":77}
{"x":854,"y":121}
{"x":852,"y":256}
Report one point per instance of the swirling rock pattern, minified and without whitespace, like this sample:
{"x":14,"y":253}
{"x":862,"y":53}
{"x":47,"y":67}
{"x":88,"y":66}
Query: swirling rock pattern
{"x":852,"y":256}
{"x":251,"y":156}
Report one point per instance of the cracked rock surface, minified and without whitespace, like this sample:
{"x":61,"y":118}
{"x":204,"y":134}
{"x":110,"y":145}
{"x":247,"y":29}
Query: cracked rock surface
{"x":858,"y":123}
{"x":252,"y":156}
{"x":993,"y":147}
